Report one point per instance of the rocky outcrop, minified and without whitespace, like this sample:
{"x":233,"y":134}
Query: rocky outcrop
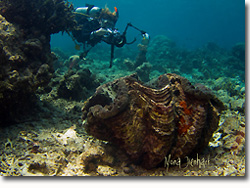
{"x":26,"y":59}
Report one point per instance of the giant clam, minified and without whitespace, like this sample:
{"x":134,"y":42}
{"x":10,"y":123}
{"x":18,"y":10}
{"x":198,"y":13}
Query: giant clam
{"x":167,"y":116}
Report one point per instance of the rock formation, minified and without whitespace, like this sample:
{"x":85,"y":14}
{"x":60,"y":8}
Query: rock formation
{"x":26,"y":59}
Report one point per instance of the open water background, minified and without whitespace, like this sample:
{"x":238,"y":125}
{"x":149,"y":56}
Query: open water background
{"x":189,"y":23}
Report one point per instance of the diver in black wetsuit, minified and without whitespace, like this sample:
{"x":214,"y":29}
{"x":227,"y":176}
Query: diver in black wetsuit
{"x":95,"y":25}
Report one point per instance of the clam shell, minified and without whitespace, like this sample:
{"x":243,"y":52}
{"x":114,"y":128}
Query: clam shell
{"x":167,"y":116}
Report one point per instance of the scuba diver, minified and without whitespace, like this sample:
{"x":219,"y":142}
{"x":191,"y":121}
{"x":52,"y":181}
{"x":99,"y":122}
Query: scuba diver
{"x":96,"y":24}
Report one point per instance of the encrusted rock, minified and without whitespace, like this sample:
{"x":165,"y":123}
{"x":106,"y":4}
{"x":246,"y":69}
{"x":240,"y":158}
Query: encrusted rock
{"x":76,"y":85}
{"x":26,"y":62}
{"x":168,"y":116}
{"x":106,"y":170}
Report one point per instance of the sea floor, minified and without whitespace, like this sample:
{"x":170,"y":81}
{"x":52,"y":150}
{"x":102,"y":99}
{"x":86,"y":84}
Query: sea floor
{"x":55,"y":143}
{"x":58,"y":146}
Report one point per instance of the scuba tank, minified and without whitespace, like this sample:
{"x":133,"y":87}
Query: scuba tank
{"x":91,"y":11}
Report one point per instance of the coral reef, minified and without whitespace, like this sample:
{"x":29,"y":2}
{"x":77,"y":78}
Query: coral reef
{"x":141,"y":66}
{"x":209,"y":61}
{"x":129,"y":64}
{"x":231,"y":91}
{"x":162,"y":52}
{"x":143,"y":71}
{"x":141,"y":57}
{"x":41,"y":16}
{"x":238,"y":51}
{"x":229,"y":145}
{"x":73,"y":62}
{"x":74,"y":85}
{"x":134,"y":117}
{"x":169,"y":116}
{"x":161,"y":47}
{"x":26,"y":60}
{"x":231,"y":134}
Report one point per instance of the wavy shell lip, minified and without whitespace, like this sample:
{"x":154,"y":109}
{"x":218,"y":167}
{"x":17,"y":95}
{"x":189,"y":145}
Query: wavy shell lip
{"x":168,"y":116}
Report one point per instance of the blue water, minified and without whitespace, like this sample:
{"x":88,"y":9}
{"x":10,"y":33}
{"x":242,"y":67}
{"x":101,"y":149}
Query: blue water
{"x":189,"y":23}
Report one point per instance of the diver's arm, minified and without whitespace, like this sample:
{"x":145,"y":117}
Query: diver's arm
{"x":99,"y":32}
{"x":114,"y":37}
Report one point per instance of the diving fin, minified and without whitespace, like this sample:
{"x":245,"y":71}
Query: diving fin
{"x":77,"y":47}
